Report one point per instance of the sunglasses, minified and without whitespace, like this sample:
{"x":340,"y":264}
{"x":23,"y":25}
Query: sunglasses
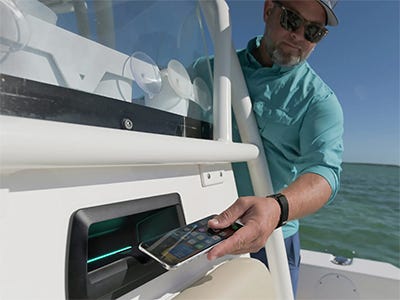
{"x":291,"y":21}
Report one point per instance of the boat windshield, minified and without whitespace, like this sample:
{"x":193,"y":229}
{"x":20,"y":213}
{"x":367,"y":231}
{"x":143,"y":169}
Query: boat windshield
{"x":136,"y":52}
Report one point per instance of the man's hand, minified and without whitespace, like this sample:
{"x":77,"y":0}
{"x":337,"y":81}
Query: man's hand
{"x":259,"y":216}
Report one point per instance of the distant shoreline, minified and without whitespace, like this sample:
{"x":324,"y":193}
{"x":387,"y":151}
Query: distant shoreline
{"x":371,"y":164}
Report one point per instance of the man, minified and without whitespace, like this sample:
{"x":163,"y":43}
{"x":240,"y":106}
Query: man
{"x":301,"y":125}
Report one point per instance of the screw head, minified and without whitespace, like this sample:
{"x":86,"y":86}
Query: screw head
{"x":127,"y":124}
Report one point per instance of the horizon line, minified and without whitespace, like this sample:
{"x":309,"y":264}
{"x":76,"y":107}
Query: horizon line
{"x":372,"y":163}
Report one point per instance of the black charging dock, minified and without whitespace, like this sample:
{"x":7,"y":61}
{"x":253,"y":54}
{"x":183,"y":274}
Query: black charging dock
{"x":103,"y":261}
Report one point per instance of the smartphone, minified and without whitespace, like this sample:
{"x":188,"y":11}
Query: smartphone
{"x":183,"y":244}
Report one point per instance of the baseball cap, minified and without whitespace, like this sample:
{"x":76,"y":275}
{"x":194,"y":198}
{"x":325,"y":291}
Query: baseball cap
{"x":329,"y":5}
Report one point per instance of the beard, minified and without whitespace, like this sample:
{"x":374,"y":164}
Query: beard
{"x":284,"y":58}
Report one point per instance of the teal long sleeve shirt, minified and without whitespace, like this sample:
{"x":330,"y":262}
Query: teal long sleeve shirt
{"x":300,"y":122}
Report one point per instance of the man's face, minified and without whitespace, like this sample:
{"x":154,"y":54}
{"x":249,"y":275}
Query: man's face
{"x":287,"y":48}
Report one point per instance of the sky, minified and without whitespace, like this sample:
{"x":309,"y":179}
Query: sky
{"x":359,"y":60}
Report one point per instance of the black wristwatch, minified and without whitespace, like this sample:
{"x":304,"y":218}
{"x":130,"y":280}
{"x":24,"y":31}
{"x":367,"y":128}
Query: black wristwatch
{"x":284,"y":205}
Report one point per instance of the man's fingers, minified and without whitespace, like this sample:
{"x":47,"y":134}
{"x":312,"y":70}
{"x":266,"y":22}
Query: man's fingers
{"x":229,"y":216}
{"x":244,"y":240}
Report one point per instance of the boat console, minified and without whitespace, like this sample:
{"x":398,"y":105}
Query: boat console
{"x":108,"y":137}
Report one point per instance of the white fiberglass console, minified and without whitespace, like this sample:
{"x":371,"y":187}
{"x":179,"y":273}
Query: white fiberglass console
{"x":104,"y":131}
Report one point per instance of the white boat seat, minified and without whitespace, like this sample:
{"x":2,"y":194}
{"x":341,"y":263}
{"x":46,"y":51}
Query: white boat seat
{"x":240,"y":278}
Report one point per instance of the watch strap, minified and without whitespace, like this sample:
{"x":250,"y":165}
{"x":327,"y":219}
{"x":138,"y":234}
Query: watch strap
{"x":284,"y":205}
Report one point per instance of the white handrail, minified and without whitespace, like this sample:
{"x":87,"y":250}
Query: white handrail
{"x":260,"y":177}
{"x":217,"y":17}
{"x":216,"y":14}
{"x":30,"y":143}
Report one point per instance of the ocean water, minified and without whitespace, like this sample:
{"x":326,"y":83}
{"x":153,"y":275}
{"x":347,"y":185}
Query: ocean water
{"x":364,"y":219}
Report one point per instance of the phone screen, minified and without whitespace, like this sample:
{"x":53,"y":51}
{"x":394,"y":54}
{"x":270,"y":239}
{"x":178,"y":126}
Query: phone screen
{"x":182,"y":244}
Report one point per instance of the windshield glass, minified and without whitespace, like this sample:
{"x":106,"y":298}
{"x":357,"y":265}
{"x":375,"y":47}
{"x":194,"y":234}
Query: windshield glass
{"x":138,"y":52}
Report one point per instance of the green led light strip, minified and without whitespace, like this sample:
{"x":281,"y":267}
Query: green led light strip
{"x":108,"y":254}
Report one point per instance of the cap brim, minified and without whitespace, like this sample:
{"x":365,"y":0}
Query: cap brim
{"x":332,"y":20}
